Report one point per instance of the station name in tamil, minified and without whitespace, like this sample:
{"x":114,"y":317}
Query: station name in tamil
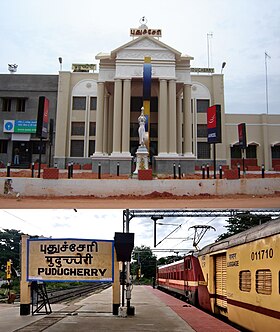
{"x":51,"y":249}
{"x":145,"y":32}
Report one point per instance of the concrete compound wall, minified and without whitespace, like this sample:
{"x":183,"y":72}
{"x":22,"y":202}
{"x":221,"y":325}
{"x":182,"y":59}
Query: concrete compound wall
{"x":105,"y":188}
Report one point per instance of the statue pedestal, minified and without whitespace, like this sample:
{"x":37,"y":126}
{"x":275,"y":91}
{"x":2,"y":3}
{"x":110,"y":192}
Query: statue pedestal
{"x":142,"y":157}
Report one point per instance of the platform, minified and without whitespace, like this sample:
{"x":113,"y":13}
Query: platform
{"x":154,"y":311}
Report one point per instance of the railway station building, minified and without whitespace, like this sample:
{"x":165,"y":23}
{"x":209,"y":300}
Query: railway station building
{"x":96,"y":113}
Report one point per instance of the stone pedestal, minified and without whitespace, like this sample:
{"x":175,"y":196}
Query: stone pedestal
{"x":142,"y":159}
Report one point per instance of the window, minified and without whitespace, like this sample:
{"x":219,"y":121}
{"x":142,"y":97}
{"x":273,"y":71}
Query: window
{"x":134,"y":129}
{"x":203,"y":150}
{"x":77,"y":128}
{"x":36,"y":146}
{"x":154,"y":104}
{"x":93,"y":103}
{"x":6,"y":104}
{"x":275,"y":151}
{"x":251,"y":151}
{"x":202,"y":105}
{"x":20,"y":104}
{"x":79,"y":103}
{"x":264,"y":282}
{"x":188,"y":264}
{"x":235,"y":152}
{"x":3,"y":146}
{"x":92,"y":128}
{"x":77,"y":148}
{"x":245,"y":281}
{"x":136,"y":104}
{"x":153,"y":130}
{"x":91,"y":147}
{"x":202,"y":130}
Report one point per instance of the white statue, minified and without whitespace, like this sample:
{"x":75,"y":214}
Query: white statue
{"x":141,"y":129}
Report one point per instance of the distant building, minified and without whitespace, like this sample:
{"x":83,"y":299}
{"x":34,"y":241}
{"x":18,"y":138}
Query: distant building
{"x":19,"y":98}
{"x":96,"y":113}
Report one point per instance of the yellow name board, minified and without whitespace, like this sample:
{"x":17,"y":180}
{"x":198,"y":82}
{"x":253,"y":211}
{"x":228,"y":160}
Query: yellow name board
{"x":70,"y":260}
{"x":9,"y":269}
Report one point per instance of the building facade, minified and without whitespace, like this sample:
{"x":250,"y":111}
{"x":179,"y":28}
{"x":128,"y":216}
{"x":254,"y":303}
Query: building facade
{"x":19,"y":98}
{"x":96,"y":114}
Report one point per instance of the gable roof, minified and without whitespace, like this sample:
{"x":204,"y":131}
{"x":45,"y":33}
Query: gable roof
{"x":113,"y":53}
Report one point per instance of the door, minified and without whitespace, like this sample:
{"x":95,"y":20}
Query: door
{"x":24,"y":149}
{"x":221,"y":280}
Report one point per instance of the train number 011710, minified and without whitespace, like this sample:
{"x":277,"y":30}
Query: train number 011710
{"x":262,"y":254}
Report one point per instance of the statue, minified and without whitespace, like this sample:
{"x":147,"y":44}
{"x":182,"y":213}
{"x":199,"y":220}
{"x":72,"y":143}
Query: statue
{"x":141,"y":129}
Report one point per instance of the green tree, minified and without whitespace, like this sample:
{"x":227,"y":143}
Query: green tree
{"x":241,"y":222}
{"x":10,"y":247}
{"x":168,"y":259}
{"x":143,"y":259}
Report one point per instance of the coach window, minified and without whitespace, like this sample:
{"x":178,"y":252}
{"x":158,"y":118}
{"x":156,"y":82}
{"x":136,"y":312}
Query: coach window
{"x":188,"y":264}
{"x":264,"y":282}
{"x":245,"y":281}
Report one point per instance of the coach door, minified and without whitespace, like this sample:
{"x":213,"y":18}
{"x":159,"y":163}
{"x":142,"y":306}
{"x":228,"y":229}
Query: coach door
{"x":221,"y":281}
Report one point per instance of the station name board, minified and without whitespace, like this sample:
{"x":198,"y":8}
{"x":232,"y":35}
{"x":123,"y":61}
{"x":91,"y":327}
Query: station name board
{"x":80,"y":67}
{"x":145,"y":32}
{"x":70,"y":260}
{"x":202,"y":70}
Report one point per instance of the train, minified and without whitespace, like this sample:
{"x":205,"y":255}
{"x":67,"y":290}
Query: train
{"x":238,"y":278}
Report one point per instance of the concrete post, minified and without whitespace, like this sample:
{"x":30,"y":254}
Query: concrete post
{"x":25,"y":289}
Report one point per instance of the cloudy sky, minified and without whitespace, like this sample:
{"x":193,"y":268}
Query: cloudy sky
{"x":35,"y":33}
{"x":102,"y":225}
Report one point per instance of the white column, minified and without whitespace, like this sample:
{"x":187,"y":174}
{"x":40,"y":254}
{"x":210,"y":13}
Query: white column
{"x":110,"y":124}
{"x":126,"y":117}
{"x":99,"y":118}
{"x":187,"y":120}
{"x":105,"y":119}
{"x":179,"y":123}
{"x":117,"y":123}
{"x":172,"y":116}
{"x":162,"y":118}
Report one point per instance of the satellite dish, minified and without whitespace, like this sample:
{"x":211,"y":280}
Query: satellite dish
{"x":12,"y":68}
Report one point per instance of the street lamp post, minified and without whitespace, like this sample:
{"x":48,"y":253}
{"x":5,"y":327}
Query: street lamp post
{"x":266,"y":56}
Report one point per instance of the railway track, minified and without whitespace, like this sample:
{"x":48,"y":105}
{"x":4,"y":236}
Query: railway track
{"x":72,"y":293}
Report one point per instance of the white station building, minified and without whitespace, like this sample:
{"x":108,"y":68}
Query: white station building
{"x":96,"y":121}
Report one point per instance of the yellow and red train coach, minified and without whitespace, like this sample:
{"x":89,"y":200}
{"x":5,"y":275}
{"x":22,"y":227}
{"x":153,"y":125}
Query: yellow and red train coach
{"x":238,"y":277}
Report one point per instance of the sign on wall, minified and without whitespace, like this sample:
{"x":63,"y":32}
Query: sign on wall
{"x":214,"y":131}
{"x":242,"y":137}
{"x":20,"y":126}
{"x":42,"y":117}
{"x":70,"y":260}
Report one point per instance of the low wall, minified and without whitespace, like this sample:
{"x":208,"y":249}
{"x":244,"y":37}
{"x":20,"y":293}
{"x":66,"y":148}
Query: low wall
{"x":105,"y":188}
